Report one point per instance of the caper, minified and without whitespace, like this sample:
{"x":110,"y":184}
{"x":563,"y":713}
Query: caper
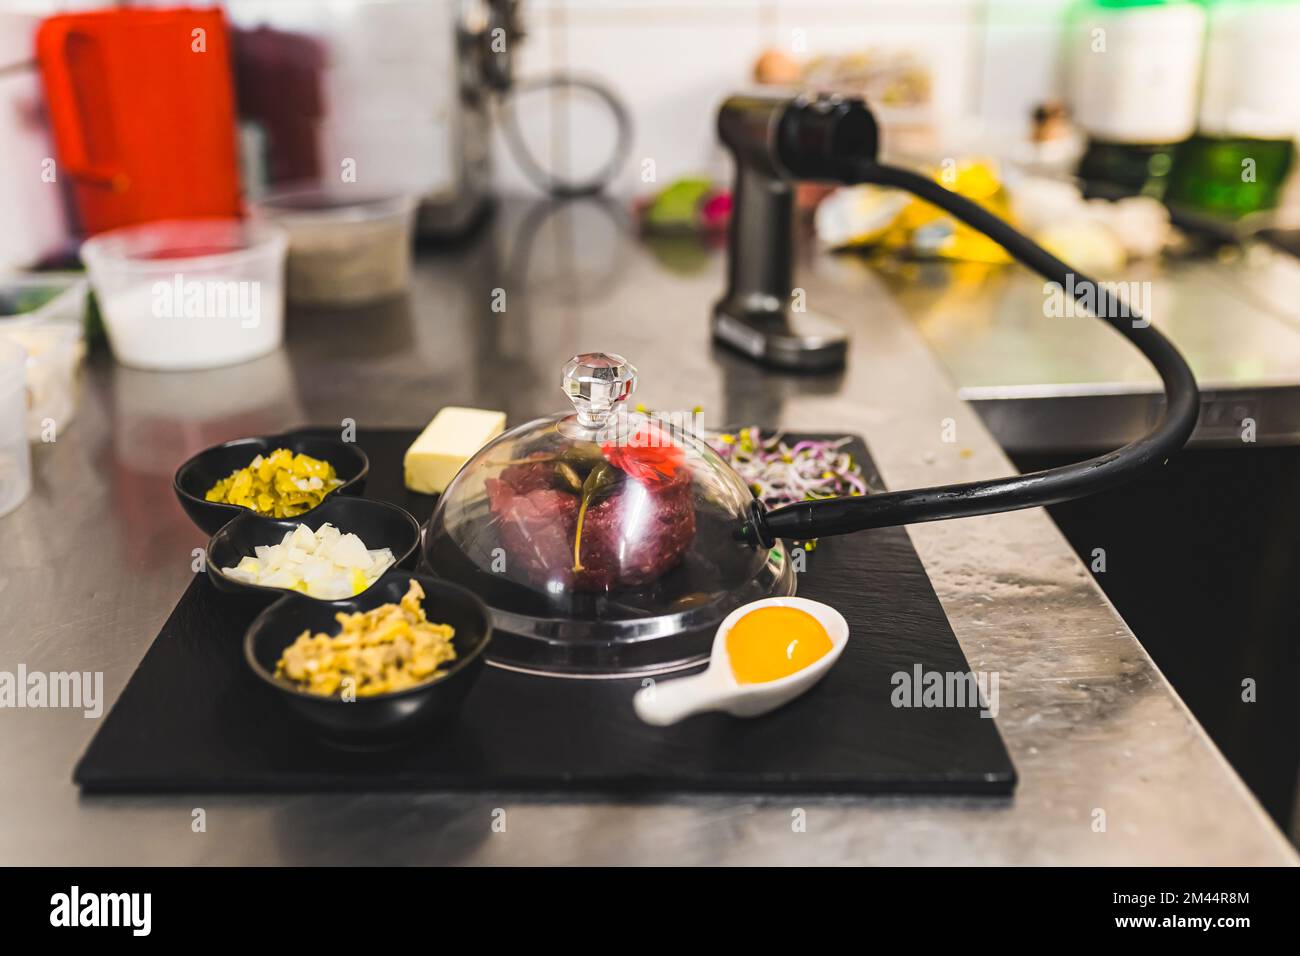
{"x":582,"y":456}
{"x":569,"y":479}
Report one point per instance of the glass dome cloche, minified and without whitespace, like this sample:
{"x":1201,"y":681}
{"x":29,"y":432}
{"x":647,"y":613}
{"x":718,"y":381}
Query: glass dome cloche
{"x":604,"y":541}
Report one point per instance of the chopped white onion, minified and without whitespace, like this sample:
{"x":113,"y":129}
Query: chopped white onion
{"x":323,"y":564}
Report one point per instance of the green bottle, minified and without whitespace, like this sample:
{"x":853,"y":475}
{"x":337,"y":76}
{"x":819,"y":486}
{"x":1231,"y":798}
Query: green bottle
{"x":1249,"y":113}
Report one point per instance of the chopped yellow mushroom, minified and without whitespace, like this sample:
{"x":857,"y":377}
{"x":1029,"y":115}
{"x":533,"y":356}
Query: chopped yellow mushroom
{"x":389,"y":648}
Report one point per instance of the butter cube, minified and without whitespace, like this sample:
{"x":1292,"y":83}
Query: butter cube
{"x":446,"y":444}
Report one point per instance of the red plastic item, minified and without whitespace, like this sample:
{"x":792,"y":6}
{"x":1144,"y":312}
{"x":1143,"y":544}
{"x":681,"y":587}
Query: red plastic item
{"x":142,"y":107}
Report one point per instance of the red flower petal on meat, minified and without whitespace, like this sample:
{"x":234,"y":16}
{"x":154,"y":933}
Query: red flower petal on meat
{"x":649,"y":454}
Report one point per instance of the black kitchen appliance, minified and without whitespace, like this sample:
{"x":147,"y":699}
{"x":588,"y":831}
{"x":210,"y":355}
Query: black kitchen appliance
{"x":777,"y":142}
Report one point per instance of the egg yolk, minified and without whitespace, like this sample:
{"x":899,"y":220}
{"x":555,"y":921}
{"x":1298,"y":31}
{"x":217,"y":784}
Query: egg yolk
{"x":774,"y":642}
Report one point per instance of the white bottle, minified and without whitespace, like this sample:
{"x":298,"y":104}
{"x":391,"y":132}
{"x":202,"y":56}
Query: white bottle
{"x":1252,"y":71}
{"x":1134,"y":69}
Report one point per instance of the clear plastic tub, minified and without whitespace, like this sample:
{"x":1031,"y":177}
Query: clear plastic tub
{"x":343,"y":250}
{"x":15,"y":456}
{"x":190,"y":293}
{"x":45,"y":313}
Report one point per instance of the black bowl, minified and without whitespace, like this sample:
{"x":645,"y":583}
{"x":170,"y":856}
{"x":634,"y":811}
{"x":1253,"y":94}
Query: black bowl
{"x":384,"y":719}
{"x":377,"y":523}
{"x":198,"y":474}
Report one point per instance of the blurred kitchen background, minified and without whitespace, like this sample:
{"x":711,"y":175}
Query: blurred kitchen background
{"x":373,"y":80}
{"x":1146,"y":141}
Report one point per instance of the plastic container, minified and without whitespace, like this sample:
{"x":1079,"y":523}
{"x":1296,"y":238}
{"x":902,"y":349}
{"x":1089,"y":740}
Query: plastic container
{"x":343,"y":250}
{"x":45,"y":314}
{"x":15,"y":456}
{"x":190,"y":293}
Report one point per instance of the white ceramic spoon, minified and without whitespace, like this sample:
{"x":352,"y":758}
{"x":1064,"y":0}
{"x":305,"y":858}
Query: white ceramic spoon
{"x":716,"y":687}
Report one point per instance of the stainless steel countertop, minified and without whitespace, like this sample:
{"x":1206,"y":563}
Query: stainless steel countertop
{"x":92,"y":564}
{"x":1066,"y":383}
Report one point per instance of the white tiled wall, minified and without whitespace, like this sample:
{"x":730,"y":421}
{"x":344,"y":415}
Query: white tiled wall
{"x":672,"y":62}
{"x":1021,"y":43}
{"x":31,"y":207}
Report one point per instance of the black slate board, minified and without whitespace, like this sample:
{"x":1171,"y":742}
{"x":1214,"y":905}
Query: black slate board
{"x":193,"y":719}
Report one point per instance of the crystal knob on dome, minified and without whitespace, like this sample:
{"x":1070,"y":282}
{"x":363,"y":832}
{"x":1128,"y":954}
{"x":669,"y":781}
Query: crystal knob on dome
{"x":596,"y":382}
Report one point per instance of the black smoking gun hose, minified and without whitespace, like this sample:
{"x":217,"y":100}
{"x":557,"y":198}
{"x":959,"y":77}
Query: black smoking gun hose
{"x":814,"y":519}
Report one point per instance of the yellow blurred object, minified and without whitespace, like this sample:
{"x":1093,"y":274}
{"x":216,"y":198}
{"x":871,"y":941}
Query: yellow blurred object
{"x":934,"y":231}
{"x":1089,"y":246}
{"x":870,"y":215}
{"x":858,"y":215}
